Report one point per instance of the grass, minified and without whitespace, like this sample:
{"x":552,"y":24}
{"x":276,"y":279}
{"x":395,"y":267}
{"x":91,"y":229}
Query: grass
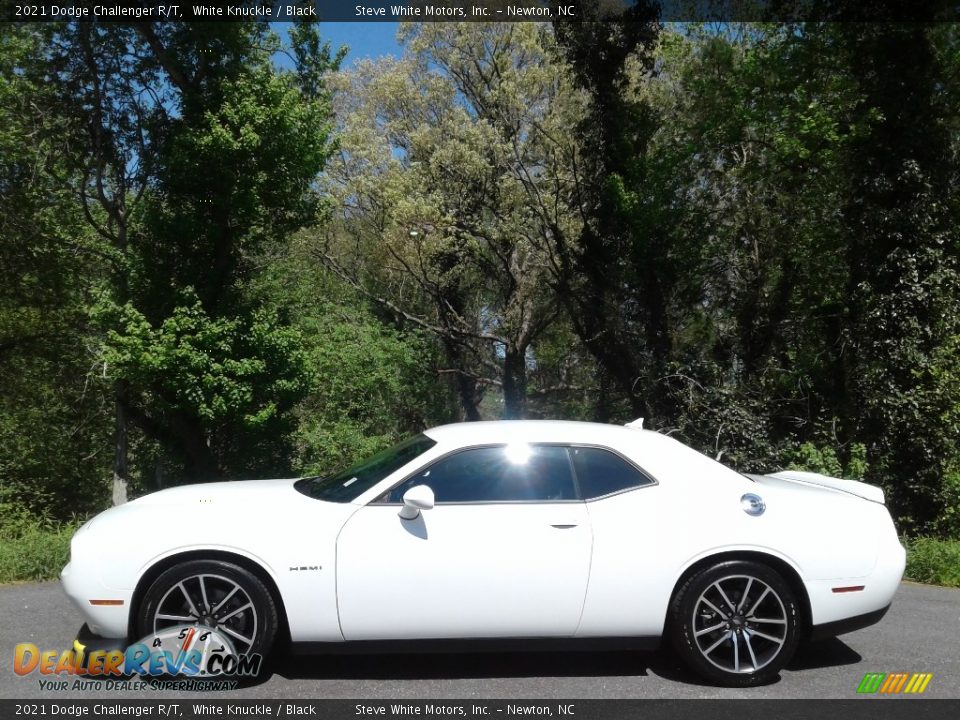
{"x":34,"y":552}
{"x":936,"y":562}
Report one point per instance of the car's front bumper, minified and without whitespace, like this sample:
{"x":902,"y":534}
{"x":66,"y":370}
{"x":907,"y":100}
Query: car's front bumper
{"x":105,"y":610}
{"x":88,"y":641}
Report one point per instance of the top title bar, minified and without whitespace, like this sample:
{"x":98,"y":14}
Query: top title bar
{"x":481,"y":10}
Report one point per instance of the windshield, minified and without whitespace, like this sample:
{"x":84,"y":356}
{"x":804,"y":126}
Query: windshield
{"x":351,"y":483}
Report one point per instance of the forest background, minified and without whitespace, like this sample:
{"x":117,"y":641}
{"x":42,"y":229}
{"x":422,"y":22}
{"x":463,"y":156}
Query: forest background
{"x":225,"y":256}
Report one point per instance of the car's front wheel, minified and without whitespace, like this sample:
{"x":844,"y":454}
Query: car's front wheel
{"x":215,"y":594}
{"x":736,"y":623}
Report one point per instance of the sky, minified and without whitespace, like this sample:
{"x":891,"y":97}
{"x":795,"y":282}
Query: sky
{"x":365,"y":39}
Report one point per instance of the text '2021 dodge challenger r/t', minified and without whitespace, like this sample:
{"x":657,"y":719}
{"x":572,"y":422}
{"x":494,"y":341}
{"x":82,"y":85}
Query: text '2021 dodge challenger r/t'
{"x":500,"y":531}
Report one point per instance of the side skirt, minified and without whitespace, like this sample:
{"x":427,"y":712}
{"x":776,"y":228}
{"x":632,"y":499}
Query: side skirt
{"x":474,"y":645}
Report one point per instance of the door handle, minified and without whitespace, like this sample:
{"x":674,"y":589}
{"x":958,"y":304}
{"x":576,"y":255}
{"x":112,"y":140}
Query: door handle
{"x":563,"y":526}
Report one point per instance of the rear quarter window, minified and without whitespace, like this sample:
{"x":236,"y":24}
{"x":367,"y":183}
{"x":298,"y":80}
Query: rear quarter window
{"x":602,"y":472}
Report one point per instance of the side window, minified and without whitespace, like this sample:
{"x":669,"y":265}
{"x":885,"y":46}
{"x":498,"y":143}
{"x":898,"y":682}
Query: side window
{"x":601,"y":472}
{"x":510,"y":473}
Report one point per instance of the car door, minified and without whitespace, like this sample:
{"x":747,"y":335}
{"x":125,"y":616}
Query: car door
{"x":505,"y":551}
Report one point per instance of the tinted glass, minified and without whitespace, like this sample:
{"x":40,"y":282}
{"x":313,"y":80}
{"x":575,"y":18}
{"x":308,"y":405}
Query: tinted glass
{"x":349,"y":484}
{"x":601,"y":472}
{"x":497,"y":474}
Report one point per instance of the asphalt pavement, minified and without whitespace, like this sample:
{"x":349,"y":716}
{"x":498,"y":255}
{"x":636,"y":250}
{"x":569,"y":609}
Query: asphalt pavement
{"x":921,"y":633}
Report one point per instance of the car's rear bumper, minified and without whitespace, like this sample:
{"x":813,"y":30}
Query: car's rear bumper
{"x":856,"y":602}
{"x":841,"y":627}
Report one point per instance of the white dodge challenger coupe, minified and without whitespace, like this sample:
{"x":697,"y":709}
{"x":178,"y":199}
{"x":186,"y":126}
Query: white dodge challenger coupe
{"x":492,"y":532}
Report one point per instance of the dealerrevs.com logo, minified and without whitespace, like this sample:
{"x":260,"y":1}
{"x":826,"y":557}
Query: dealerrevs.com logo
{"x":187,"y":650}
{"x":894,"y":683}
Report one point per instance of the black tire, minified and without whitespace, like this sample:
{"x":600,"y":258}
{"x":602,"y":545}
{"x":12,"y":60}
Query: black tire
{"x":258,"y":623}
{"x":726,"y":645}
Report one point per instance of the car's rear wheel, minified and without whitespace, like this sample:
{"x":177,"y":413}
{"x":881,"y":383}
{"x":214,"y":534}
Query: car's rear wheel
{"x":736,"y":623}
{"x":215,"y":594}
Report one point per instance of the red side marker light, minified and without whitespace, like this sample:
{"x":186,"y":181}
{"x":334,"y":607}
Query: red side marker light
{"x":850,"y":588}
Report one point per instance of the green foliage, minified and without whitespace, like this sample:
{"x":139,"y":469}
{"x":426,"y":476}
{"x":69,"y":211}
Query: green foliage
{"x":824,"y":460}
{"x":901,"y":245}
{"x":32,"y":547}
{"x":370,"y":390}
{"x":745,"y":233}
{"x":234,"y":176}
{"x":447,"y":151}
{"x":948,"y":520}
{"x":933,"y":561}
{"x":236,"y":376}
{"x":371,"y":382}
{"x":35,"y":553}
{"x":817,"y":296}
{"x":52,"y":431}
{"x":207,"y":161}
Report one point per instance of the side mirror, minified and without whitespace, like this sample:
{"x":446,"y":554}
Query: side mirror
{"x":417,"y":498}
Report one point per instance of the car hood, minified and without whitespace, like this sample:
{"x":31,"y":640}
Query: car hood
{"x":788,"y":478}
{"x":267,"y":521}
{"x":237,"y":491}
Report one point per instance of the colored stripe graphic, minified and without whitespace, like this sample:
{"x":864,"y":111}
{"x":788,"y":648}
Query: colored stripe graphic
{"x":871,"y":682}
{"x":922,"y":685}
{"x":894,"y":683}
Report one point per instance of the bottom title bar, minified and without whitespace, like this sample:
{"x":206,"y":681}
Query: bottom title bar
{"x":188,"y":709}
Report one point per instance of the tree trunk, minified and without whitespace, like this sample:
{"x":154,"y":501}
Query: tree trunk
{"x":466,"y":385}
{"x":467,"y":392}
{"x":514,"y":383}
{"x":616,"y":360}
{"x":200,"y":463}
{"x":121,"y":476}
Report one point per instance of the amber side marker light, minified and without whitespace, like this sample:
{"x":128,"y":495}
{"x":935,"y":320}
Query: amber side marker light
{"x":850,"y":588}
{"x":106,"y":602}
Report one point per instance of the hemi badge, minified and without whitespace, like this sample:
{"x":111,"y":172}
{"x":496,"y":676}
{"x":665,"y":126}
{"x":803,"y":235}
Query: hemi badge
{"x":106,"y":602}
{"x":851,"y":588}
